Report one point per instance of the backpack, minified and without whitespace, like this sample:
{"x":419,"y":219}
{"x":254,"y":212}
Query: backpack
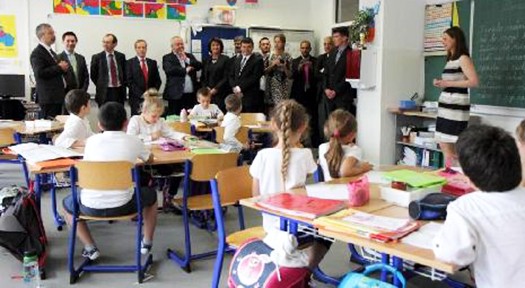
{"x":361,"y":280}
{"x":252,"y":267}
{"x":21,"y":227}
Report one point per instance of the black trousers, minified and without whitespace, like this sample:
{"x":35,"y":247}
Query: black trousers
{"x":48,"y":111}
{"x":187,"y":101}
{"x":114,"y":94}
{"x":134,"y":105}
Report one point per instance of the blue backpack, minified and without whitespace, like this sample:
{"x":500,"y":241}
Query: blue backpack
{"x":361,"y":280}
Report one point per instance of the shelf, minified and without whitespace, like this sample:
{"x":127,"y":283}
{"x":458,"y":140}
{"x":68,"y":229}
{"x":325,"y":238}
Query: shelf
{"x":417,"y":146}
{"x":413,"y":113}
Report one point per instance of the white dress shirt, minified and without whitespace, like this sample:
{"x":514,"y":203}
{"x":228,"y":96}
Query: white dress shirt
{"x":139,"y":127}
{"x":75,"y":129}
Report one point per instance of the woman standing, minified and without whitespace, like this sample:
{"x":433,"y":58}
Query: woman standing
{"x":279,"y":71}
{"x":215,"y":74}
{"x":454,"y":102}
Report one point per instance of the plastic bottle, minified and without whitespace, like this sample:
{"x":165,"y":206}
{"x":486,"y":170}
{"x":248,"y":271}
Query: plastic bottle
{"x":31,"y":273}
{"x":183,"y":115}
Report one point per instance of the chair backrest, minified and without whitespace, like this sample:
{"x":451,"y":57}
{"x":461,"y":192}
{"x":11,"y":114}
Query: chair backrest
{"x":252,"y":118}
{"x":183,"y":127}
{"x":61,"y":118}
{"x":7,"y":137}
{"x":206,"y":166}
{"x":234,"y":184}
{"x":114,"y":175}
{"x":242,"y":135}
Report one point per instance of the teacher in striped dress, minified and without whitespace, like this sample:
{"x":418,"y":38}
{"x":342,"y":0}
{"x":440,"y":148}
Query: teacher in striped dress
{"x":454,"y":102}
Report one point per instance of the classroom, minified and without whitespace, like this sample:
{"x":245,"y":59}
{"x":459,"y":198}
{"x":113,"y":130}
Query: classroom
{"x":208,"y":111}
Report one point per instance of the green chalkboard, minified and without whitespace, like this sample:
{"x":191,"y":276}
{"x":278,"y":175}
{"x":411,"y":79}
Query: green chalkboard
{"x":499,"y":52}
{"x":434,"y":64}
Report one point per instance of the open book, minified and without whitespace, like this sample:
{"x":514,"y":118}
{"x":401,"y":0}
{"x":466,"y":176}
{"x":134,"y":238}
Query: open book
{"x":35,"y":153}
{"x":300,"y":205}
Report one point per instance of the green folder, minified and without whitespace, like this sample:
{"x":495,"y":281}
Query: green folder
{"x":173,"y":118}
{"x":201,"y":151}
{"x":415,"y":179}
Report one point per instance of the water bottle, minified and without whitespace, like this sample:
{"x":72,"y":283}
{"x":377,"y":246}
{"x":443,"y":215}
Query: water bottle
{"x":183,"y":115}
{"x":31,"y":272}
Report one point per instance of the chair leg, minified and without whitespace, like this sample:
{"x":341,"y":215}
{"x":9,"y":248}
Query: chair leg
{"x":73,"y":273}
{"x":59,"y":222}
{"x":138,"y":254}
{"x":217,"y":267}
{"x":183,"y":261}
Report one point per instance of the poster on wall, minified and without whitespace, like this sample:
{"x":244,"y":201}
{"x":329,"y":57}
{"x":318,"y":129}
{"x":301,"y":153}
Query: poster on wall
{"x":64,"y":6}
{"x":176,"y":12}
{"x":8,"y":40}
{"x":88,"y":7}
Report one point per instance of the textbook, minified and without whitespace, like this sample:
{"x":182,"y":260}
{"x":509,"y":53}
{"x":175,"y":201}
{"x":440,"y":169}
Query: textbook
{"x":34,"y":153}
{"x":379,"y":228}
{"x":300,"y":205}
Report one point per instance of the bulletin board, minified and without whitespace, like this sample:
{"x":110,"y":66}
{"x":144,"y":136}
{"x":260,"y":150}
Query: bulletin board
{"x":293,"y":37}
{"x":200,"y":40}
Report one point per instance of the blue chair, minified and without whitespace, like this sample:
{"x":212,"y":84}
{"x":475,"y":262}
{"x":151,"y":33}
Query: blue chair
{"x":201,"y":168}
{"x":8,"y":136}
{"x":117,"y":175}
{"x":225,"y":194}
{"x":318,"y":174}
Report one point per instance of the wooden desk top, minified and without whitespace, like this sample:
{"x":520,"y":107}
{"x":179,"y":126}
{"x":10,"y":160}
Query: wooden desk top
{"x":21,"y":128}
{"x":264,"y":127}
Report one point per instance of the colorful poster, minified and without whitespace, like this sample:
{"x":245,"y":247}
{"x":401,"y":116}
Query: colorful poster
{"x":88,"y":7}
{"x":231,"y":2}
{"x":132,"y":9}
{"x":111,"y":7}
{"x":176,"y":12}
{"x":188,"y":2}
{"x":8,"y":45}
{"x":155,"y":11}
{"x":64,"y":6}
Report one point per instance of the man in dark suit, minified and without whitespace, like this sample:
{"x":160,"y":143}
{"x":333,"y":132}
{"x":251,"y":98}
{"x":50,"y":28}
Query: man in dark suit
{"x":337,"y":92}
{"x":108,"y":72}
{"x":49,"y":73}
{"x":245,"y":76}
{"x":304,"y":87}
{"x":142,"y":74}
{"x":181,"y":77}
{"x":77,"y":76}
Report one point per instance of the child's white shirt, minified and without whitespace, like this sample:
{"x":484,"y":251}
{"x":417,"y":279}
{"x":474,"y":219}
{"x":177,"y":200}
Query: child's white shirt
{"x":486,"y":231}
{"x":266,"y":168}
{"x":231,"y":124}
{"x":111,"y":146}
{"x":139,"y":127}
{"x":348,"y":151}
{"x":75,"y":129}
{"x":213,"y":111}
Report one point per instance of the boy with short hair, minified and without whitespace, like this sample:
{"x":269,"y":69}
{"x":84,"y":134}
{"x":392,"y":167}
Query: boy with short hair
{"x":486,"y":229}
{"x":114,"y":145}
{"x":77,"y":128}
{"x":232,"y":122}
{"x":205,"y":108}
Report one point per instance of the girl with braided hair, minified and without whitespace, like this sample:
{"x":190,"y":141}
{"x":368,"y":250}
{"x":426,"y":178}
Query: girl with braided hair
{"x":340,"y":157}
{"x":286,"y":165}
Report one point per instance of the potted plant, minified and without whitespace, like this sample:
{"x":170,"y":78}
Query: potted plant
{"x":363,"y":25}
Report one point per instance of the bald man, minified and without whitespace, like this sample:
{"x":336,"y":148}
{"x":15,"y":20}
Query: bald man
{"x":181,"y":77}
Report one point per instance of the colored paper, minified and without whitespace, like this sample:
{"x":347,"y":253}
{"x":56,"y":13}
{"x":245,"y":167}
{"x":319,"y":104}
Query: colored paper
{"x":187,"y":2}
{"x":64,"y":6}
{"x":132,"y":9}
{"x":8,"y":40}
{"x":155,"y":11}
{"x":88,"y":7}
{"x":111,"y":7}
{"x":300,"y":205}
{"x":176,"y":12}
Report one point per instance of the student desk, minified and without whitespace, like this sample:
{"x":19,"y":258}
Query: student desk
{"x":22,"y":129}
{"x":264,"y":127}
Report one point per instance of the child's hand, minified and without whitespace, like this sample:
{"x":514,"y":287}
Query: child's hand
{"x":155,"y":135}
{"x":366,"y":166}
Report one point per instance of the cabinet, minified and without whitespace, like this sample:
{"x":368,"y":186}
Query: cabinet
{"x":418,"y":153}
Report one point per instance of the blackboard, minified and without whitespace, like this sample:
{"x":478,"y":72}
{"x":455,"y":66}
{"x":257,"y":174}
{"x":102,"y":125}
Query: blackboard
{"x":499,"y":52}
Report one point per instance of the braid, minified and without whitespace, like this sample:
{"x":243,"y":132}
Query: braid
{"x":286,"y":131}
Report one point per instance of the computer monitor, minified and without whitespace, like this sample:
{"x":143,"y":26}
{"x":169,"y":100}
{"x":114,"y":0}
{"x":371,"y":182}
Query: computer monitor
{"x":12,"y":86}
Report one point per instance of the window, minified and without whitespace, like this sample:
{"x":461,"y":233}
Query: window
{"x":345,"y":10}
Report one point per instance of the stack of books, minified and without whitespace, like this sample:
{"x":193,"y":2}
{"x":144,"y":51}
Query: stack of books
{"x":300,"y":205}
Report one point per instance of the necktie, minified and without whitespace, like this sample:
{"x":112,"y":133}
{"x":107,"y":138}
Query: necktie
{"x":113,"y":71}
{"x":53,"y":53}
{"x":338,"y":55}
{"x":73,"y":61}
{"x":306,"y":75}
{"x":144,"y":71}
{"x":243,"y":63}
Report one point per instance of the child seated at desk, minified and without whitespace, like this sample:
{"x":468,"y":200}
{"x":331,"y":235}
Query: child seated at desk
{"x":149,"y":126}
{"x":520,"y":136}
{"x":341,"y":157}
{"x":205,"y":109}
{"x":77,"y":128}
{"x":286,"y":166}
{"x":113,"y":145}
{"x":232,"y":123}
{"x":486,"y":229}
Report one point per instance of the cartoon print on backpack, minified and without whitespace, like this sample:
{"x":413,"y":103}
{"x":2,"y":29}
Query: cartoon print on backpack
{"x":251,"y":268}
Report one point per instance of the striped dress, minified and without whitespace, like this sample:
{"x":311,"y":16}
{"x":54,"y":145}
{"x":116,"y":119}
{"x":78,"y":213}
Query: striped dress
{"x":454,"y":106}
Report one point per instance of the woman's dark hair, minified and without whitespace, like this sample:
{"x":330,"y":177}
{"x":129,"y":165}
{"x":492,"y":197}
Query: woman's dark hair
{"x":461,"y":44}
{"x":218,"y":41}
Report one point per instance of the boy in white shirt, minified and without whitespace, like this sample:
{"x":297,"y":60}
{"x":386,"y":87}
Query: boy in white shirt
{"x":486,"y":229}
{"x":232,"y":123}
{"x":114,"y":145}
{"x":77,"y":128}
{"x":205,"y":109}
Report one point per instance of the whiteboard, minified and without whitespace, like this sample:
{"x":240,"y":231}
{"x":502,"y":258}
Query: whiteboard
{"x":91,"y":29}
{"x":293,"y":38}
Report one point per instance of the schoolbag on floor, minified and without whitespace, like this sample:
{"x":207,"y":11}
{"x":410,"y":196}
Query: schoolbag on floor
{"x":361,"y":280}
{"x":21,"y":227}
{"x":252,"y":267}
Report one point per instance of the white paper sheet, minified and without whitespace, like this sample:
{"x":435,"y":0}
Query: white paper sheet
{"x":328,"y":191}
{"x":196,"y":46}
{"x":423,"y":237}
{"x":377,"y":178}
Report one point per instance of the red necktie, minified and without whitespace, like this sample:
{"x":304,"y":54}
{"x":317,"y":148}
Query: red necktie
{"x":113,"y":71}
{"x":144,"y":71}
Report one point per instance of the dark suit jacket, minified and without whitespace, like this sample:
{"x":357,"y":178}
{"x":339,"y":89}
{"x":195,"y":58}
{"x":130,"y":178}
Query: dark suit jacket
{"x":48,"y":76}
{"x":248,"y":80}
{"x":335,"y":79}
{"x":80,"y":82}
{"x":100,"y":75}
{"x":319,"y":69}
{"x":306,"y":98}
{"x":176,"y":74}
{"x":135,"y":78}
{"x":215,"y":75}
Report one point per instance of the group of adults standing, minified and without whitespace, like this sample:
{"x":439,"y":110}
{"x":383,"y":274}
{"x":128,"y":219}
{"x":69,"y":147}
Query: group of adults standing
{"x":262,"y":79}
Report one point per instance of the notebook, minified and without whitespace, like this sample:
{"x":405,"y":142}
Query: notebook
{"x":300,"y":205}
{"x":415,"y":179}
{"x":34,"y":153}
